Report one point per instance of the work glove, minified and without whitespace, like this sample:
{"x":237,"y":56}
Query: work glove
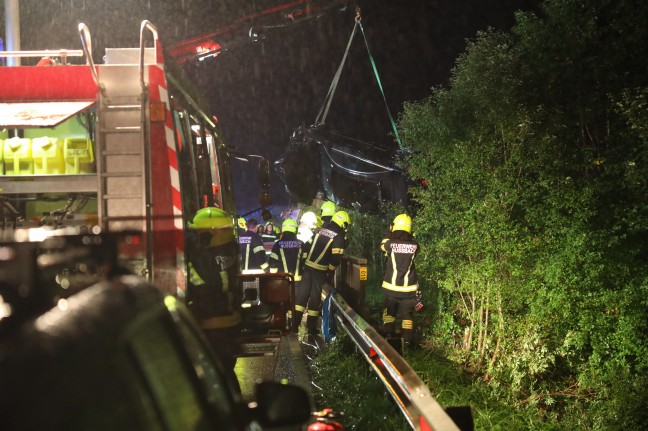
{"x":418,"y":301}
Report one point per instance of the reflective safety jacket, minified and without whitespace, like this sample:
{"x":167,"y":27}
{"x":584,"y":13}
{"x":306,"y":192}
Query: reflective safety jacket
{"x":324,"y":250}
{"x":253,"y":257}
{"x":267,"y":235}
{"x":400,"y":273}
{"x":286,"y":255}
{"x":214,"y":294}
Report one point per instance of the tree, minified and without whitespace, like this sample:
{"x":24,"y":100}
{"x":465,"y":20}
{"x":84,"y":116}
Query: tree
{"x":535,"y":213}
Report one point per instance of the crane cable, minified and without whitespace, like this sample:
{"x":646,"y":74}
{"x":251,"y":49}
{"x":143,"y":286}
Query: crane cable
{"x":323,"y":112}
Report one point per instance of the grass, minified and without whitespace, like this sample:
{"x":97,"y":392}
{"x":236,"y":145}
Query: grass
{"x":344,"y":381}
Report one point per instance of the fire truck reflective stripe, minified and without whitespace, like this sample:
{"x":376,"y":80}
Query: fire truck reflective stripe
{"x":158,"y":91}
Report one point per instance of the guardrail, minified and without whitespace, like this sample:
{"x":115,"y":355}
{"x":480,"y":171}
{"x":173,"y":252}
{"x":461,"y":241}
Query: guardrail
{"x":409,"y":392}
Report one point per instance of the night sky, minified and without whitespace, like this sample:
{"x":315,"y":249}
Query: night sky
{"x":262,"y":91}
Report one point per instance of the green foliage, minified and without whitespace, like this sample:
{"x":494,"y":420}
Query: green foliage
{"x":344,"y":382}
{"x":535,"y":218}
{"x":365,"y":235}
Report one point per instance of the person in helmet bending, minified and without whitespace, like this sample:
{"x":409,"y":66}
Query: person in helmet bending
{"x":400,"y":283}
{"x":213,"y":293}
{"x":321,"y":256}
{"x":253,"y":257}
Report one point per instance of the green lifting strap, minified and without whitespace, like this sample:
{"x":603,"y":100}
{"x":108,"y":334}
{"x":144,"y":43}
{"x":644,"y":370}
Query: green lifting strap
{"x":323,"y":112}
{"x":375,"y":69}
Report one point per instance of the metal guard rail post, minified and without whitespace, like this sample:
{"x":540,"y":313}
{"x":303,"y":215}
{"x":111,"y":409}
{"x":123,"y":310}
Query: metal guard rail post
{"x":412,"y":396}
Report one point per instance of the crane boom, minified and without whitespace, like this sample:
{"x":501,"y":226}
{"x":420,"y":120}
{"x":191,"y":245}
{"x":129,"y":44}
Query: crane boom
{"x":251,"y":28}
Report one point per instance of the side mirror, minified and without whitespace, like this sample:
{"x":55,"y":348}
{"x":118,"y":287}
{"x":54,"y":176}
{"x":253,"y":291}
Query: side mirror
{"x":265,"y":197}
{"x":279,"y":405}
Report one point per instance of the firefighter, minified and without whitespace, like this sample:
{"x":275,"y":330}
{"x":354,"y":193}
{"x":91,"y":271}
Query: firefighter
{"x":241,"y":226}
{"x":327,"y":209}
{"x":307,"y":224}
{"x":321,"y":256}
{"x":269,"y":232}
{"x":213,"y":293}
{"x":286,"y":253}
{"x":253,"y":256}
{"x":400,"y":283}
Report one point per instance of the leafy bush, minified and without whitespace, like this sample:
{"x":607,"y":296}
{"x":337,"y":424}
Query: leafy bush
{"x":535,"y":218}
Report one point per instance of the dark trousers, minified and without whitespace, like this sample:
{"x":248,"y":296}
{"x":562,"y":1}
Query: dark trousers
{"x":225,"y":345}
{"x":402,"y":308}
{"x":309,"y":292}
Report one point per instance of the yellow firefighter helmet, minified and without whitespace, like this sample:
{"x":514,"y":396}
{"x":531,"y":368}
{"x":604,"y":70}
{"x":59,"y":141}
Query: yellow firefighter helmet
{"x":289,"y":225}
{"x":403,"y":222}
{"x":328,"y":209}
{"x":342,"y":219}
{"x":218,"y":223}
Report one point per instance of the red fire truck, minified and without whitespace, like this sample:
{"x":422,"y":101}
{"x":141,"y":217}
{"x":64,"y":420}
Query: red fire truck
{"x":125,"y":145}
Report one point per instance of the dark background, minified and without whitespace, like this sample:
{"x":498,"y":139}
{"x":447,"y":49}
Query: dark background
{"x":262,"y":91}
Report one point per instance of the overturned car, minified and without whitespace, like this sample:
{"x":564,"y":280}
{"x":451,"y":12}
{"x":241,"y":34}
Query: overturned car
{"x":350,"y":172}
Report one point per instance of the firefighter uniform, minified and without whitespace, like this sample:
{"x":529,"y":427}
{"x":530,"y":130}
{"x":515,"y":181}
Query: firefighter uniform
{"x":253,"y":257}
{"x":400,"y":283}
{"x":286,"y":253}
{"x":321,"y":256}
{"x":213,"y":293}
